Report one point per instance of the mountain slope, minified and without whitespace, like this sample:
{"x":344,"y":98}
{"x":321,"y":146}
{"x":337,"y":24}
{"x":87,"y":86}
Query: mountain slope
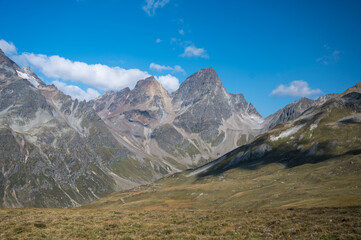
{"x":311,"y":161}
{"x":294,"y":110}
{"x":56,"y":152}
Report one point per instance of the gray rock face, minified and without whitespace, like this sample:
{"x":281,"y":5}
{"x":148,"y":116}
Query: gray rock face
{"x":56,"y":152}
{"x":206,"y":104}
{"x":7,"y":69}
{"x":294,"y":110}
{"x":321,"y":100}
{"x":289,"y":112}
{"x":205,"y":82}
{"x":194,"y":124}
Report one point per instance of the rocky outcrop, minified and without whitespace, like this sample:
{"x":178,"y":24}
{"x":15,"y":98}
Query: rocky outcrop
{"x":294,"y":110}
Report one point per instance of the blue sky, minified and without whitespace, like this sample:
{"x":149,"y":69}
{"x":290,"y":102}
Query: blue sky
{"x":290,"y":48}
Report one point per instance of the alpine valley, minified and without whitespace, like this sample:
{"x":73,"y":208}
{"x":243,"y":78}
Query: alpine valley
{"x":195,"y":150}
{"x":59,"y":152}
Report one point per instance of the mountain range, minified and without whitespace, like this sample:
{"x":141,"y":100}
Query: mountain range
{"x":59,"y":152}
{"x":311,"y":161}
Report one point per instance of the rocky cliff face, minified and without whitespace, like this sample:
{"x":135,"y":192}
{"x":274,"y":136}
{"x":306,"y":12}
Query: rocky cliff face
{"x":294,"y":110}
{"x":56,"y":152}
{"x":193,"y":125}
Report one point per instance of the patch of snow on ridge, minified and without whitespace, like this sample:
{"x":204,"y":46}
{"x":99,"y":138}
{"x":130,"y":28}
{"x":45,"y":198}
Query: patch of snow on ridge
{"x":31,"y":79}
{"x":287,"y":132}
{"x":313,"y":126}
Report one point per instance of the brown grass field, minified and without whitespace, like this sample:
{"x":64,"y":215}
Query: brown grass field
{"x":292,"y":223}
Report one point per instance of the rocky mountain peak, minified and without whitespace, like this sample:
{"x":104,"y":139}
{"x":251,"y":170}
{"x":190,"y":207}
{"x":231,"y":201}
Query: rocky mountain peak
{"x":356,"y":88}
{"x":147,"y":90}
{"x":1,"y":53}
{"x":206,"y":77}
{"x":304,"y":101}
{"x":203,"y":82}
{"x":8,"y":69}
{"x":149,"y":84}
{"x":321,"y":100}
{"x":289,"y":112}
{"x":5,"y":59}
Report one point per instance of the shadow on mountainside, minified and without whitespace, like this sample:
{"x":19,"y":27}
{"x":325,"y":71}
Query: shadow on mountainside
{"x":288,"y":158}
{"x":333,"y":142}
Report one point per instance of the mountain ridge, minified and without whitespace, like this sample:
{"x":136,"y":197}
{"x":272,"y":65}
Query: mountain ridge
{"x":311,"y":161}
{"x":59,"y":152}
{"x":199,"y":113}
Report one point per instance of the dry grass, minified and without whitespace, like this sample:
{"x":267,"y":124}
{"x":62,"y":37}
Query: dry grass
{"x":333,"y":183}
{"x":298,"y":223}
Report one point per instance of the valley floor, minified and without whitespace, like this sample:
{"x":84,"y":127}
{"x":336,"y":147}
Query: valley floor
{"x":292,"y":223}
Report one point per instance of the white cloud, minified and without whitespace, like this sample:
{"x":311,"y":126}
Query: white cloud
{"x":160,"y":68}
{"x":193,"y":51}
{"x":152,"y":5}
{"x":99,"y":76}
{"x":181,"y":32}
{"x":169,"y":82}
{"x":176,"y":41}
{"x":297,"y":88}
{"x":330,"y":58}
{"x":7,"y":47}
{"x":158,"y":40}
{"x":76,"y":92}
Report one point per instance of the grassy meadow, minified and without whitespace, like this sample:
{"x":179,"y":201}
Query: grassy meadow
{"x":292,"y":223}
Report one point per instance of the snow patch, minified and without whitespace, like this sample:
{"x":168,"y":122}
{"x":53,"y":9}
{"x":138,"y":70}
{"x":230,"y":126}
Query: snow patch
{"x":287,"y":132}
{"x":313,"y":126}
{"x":31,"y":79}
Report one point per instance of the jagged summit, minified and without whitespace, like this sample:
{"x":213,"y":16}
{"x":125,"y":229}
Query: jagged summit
{"x":203,"y":82}
{"x":323,"y":99}
{"x":8,"y":70}
{"x":147,"y":90}
{"x":150,"y":84}
{"x":295,"y":109}
{"x":356,"y":88}
{"x":196,"y":123}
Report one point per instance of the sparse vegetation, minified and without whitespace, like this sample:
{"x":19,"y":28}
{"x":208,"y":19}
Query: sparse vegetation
{"x":292,"y":223}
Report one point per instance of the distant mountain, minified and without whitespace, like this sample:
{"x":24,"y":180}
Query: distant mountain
{"x":59,"y":152}
{"x":195,"y":124}
{"x":56,"y":152}
{"x":294,"y":110}
{"x":313,"y":160}
{"x":322,"y":132}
